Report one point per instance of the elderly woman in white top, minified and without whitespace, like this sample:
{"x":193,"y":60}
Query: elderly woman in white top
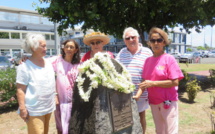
{"x":36,"y":86}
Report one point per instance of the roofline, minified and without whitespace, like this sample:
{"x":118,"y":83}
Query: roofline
{"x":17,"y":10}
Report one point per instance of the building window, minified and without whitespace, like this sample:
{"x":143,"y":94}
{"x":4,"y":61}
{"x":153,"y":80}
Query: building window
{"x":77,"y":33}
{"x":15,"y":36}
{"x":29,"y":19}
{"x":35,"y":20}
{"x":4,"y":35}
{"x":46,"y":21}
{"x":52,"y":37}
{"x":47,"y":36}
{"x":25,"y":19}
{"x":9,"y":16}
{"x":54,"y":52}
{"x":24,"y":35}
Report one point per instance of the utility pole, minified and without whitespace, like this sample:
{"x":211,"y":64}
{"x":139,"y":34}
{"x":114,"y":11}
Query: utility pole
{"x":204,"y":36}
{"x":57,"y":42}
{"x":211,"y":36}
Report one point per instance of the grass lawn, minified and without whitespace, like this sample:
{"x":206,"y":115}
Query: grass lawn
{"x":194,"y":118}
{"x":196,"y":67}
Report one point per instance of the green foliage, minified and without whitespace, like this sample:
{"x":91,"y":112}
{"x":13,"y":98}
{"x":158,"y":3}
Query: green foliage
{"x":183,"y":82}
{"x":201,"y":48}
{"x":8,"y":86}
{"x":192,"y":89}
{"x":189,"y":50}
{"x":212,"y":118}
{"x":212,"y":75}
{"x":4,"y":35}
{"x":112,"y":16}
{"x":212,"y":99}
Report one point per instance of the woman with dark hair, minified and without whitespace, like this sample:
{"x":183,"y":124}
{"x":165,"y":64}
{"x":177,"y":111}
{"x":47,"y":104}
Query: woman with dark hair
{"x":66,"y":69}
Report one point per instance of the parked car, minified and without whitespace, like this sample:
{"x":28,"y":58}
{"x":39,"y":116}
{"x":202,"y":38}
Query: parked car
{"x":190,"y":57}
{"x":204,"y":54}
{"x":18,"y":57}
{"x":5,"y":63}
{"x":211,"y":54}
{"x":176,"y":54}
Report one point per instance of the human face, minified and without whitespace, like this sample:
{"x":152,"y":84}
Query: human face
{"x":131,"y":41}
{"x":41,"y":50}
{"x":157,"y":43}
{"x":70,"y":49}
{"x":96,"y":46}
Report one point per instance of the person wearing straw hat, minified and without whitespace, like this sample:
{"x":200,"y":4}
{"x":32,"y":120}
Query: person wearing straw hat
{"x":96,"y":41}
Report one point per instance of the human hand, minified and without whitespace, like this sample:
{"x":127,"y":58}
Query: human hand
{"x":146,"y":84}
{"x":57,"y":100}
{"x":136,"y":97}
{"x":23,"y":59}
{"x":24,"y":114}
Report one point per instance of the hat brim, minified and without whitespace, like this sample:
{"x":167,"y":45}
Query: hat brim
{"x":104,"y":39}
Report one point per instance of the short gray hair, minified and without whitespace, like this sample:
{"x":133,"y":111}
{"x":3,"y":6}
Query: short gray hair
{"x":130,"y":29}
{"x":32,"y":42}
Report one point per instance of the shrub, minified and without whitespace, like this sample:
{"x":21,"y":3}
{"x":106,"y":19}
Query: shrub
{"x":212,"y":75}
{"x":192,"y":89}
{"x":212,"y":99}
{"x":212,"y":117}
{"x":183,"y":82}
{"x":8,"y":86}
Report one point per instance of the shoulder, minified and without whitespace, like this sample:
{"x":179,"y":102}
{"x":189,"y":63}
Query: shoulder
{"x":123,"y":51}
{"x":86,"y":56}
{"x":146,"y":49}
{"x":168,"y":56}
{"x":87,"y":53}
{"x":24,"y":67}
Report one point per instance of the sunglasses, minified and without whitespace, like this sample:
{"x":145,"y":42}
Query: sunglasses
{"x":131,"y":37}
{"x":95,"y":43}
{"x":156,"y":40}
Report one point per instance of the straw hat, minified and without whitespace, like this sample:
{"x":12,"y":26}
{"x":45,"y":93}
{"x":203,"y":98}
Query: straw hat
{"x":96,"y":36}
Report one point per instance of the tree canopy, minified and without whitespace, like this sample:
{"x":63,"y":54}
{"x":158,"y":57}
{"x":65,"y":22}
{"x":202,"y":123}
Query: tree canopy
{"x":113,"y":16}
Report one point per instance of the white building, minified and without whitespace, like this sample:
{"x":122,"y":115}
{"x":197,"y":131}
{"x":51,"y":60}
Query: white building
{"x":178,"y":41}
{"x":16,"y":23}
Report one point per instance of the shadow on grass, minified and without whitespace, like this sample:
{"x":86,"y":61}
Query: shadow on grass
{"x":204,"y":82}
{"x":183,"y":99}
{"x":8,"y":108}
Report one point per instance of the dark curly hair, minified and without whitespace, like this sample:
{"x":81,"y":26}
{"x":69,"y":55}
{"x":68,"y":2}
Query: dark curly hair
{"x":76,"y":57}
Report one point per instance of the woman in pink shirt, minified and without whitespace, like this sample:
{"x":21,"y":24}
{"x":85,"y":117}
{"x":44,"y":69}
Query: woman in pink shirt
{"x":66,"y":69}
{"x":161,"y":78}
{"x":96,"y":41}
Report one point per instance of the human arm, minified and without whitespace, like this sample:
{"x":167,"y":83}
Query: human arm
{"x":138,"y":94}
{"x":20,"y":93}
{"x":161,"y":83}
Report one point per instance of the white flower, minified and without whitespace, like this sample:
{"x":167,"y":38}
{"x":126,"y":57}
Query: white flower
{"x":94,"y":84}
{"x":107,"y":76}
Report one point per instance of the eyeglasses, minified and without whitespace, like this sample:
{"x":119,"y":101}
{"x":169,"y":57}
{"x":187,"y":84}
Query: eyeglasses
{"x":156,"y":40}
{"x":71,"y":47}
{"x":131,"y":37}
{"x":95,"y":43}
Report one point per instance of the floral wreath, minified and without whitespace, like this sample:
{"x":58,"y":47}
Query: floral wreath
{"x":106,"y":76}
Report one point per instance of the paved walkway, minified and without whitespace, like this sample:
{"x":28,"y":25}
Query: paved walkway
{"x":202,"y":73}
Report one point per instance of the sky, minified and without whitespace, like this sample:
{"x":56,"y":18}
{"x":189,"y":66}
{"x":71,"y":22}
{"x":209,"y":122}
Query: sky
{"x":194,"y":39}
